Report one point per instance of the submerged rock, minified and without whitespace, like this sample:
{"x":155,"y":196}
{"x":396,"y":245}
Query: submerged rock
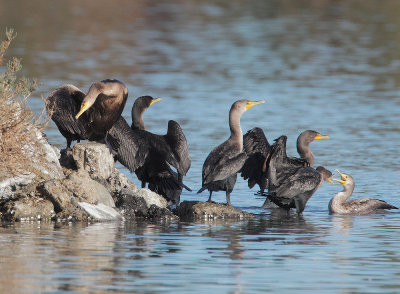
{"x":209,"y":210}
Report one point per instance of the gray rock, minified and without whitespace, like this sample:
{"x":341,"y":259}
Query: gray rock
{"x":209,"y":210}
{"x":95,"y":158}
{"x":88,"y":190}
{"x":118,"y":181}
{"x":49,"y":166}
{"x":152,"y":198}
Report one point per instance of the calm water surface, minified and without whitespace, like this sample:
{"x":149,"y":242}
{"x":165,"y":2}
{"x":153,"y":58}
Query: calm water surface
{"x":332,"y":66}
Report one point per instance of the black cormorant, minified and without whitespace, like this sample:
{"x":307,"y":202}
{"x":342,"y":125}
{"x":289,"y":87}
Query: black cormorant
{"x":224,"y":162}
{"x":339,"y":205}
{"x":258,"y":149}
{"x":150,"y":155}
{"x":291,"y":182}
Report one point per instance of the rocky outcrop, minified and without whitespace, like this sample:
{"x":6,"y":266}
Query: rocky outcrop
{"x":209,"y":210}
{"x":86,"y":186}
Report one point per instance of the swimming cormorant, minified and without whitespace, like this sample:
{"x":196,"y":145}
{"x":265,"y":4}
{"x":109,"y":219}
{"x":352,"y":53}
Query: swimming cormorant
{"x":99,"y":109}
{"x":339,"y":205}
{"x":224,"y":162}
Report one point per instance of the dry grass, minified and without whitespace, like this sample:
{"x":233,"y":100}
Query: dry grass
{"x":18,"y":138}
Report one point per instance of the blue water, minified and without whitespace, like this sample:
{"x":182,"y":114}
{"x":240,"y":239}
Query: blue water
{"x":331,"y":66}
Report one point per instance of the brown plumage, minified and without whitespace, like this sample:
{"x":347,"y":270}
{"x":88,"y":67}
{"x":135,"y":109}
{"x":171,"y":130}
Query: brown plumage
{"x":79,"y":116}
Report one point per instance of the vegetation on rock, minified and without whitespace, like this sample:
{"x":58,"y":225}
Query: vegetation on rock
{"x":17,"y":140}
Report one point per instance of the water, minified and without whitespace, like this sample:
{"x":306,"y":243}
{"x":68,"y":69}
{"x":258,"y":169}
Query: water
{"x":331,"y":66}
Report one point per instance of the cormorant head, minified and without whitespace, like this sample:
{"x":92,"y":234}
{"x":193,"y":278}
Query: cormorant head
{"x":345,"y":179}
{"x":241,"y":106}
{"x":90,"y":98}
{"x":308,"y":136}
{"x":110,"y":88}
{"x":144,"y":102}
{"x":326,"y":174}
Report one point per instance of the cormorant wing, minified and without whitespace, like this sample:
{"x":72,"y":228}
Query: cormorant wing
{"x":177,"y":141}
{"x":257,"y":148}
{"x":222,"y":162}
{"x":159,"y":146}
{"x":369,"y":204}
{"x":63,"y":104}
{"x":130,"y":149}
{"x":305,"y":179}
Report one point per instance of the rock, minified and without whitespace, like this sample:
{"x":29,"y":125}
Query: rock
{"x":57,"y":193}
{"x":88,"y":190}
{"x":8,"y":187}
{"x":44,"y":165}
{"x":49,"y":166}
{"x":156,"y":212}
{"x":27,"y":208}
{"x":152,"y":198}
{"x":101,"y":212}
{"x":118,"y":181}
{"x":130,"y":205}
{"x":95,"y":158}
{"x":209,"y":210}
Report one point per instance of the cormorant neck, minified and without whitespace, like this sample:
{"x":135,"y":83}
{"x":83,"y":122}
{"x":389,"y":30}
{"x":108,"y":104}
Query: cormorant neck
{"x":342,"y":196}
{"x":304,"y":150}
{"x":236,"y":130}
{"x":137,"y":120}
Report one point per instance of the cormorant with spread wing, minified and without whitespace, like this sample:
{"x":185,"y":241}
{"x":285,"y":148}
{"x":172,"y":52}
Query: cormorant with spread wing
{"x":150,"y":155}
{"x":291,"y":182}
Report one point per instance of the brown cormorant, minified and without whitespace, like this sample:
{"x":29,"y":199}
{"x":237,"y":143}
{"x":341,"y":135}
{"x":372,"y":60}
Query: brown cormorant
{"x":99,"y":109}
{"x":224,"y":162}
{"x":291,"y":182}
{"x":339,"y":205}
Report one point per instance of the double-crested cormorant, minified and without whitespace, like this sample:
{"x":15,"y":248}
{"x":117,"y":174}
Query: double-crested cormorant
{"x":99,"y":109}
{"x":224,"y":162}
{"x":339,"y":205}
{"x":149,"y":155}
{"x":291,"y":183}
{"x":258,"y":150}
{"x":156,"y":171}
{"x":303,"y":142}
